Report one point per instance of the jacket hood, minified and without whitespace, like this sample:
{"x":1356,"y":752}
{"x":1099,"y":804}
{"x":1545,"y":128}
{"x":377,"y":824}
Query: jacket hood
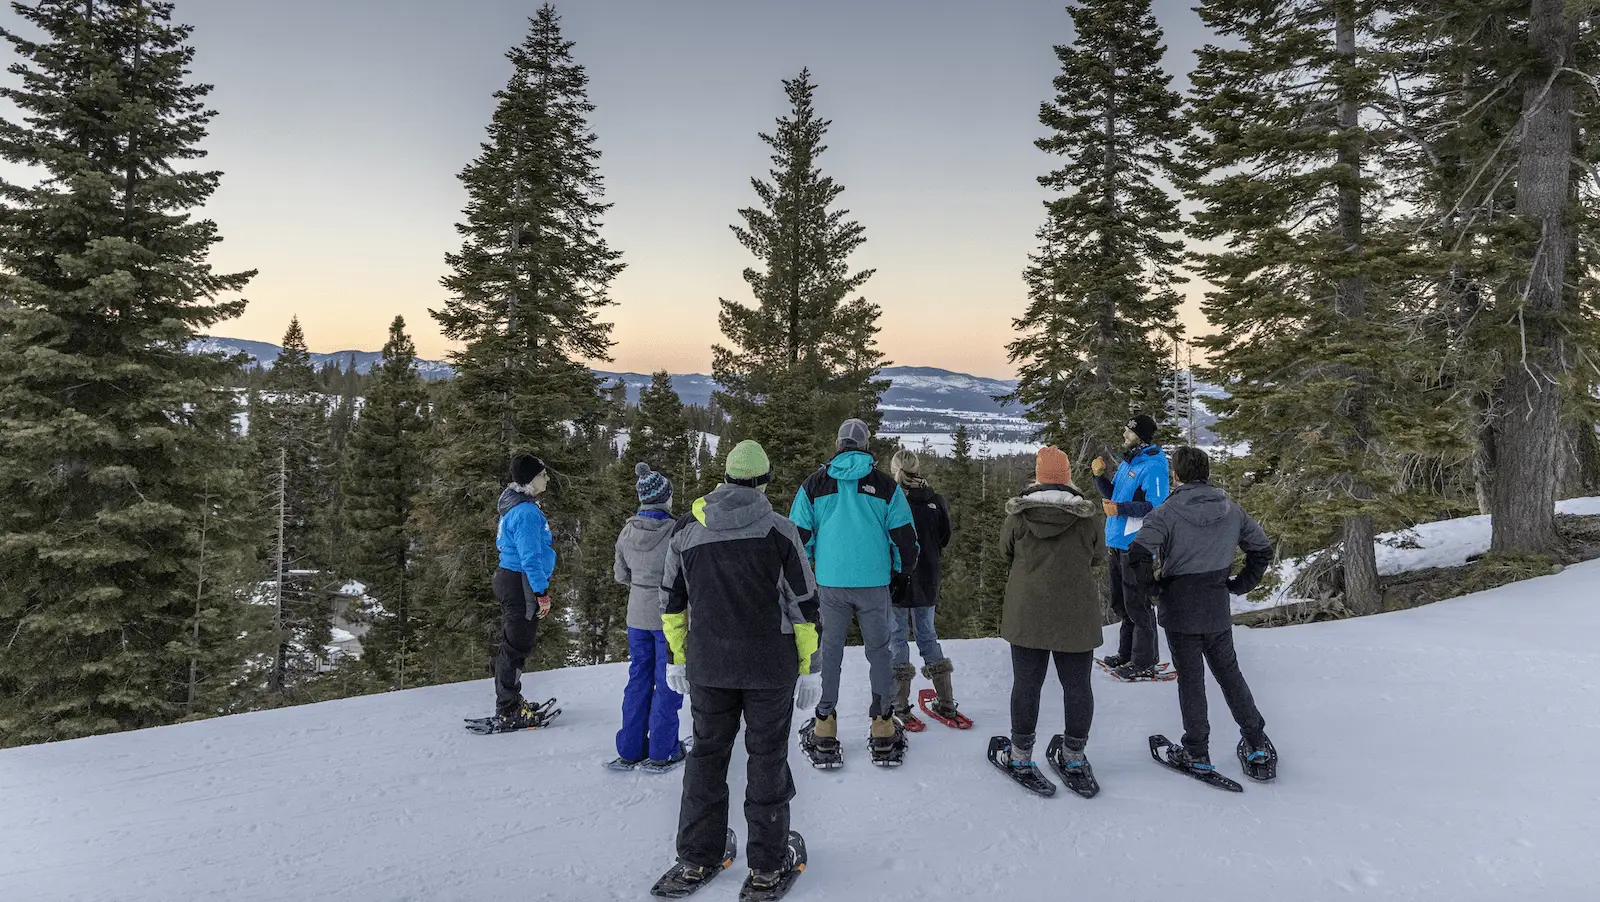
{"x":851,"y":465}
{"x":1199,"y":503}
{"x":919,"y":494}
{"x":646,"y":533}
{"x":511,"y":498}
{"x":732,"y":507}
{"x":1050,"y":511}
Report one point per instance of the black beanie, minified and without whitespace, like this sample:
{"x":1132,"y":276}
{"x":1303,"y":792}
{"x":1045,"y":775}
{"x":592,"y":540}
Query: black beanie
{"x":1144,"y":427}
{"x":525,"y":468}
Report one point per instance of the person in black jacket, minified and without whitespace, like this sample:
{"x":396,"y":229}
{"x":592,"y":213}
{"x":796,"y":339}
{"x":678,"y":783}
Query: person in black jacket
{"x":916,"y":598}
{"x":1194,"y":536}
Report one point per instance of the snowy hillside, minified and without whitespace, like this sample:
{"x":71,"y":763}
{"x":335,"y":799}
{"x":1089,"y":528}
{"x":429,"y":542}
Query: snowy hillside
{"x":264,"y":354}
{"x":1442,"y":543}
{"x":1442,"y":753}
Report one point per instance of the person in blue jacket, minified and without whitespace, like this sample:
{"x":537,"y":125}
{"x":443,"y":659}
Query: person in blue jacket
{"x":1140,"y":484}
{"x":521,"y":585}
{"x":858,"y":530}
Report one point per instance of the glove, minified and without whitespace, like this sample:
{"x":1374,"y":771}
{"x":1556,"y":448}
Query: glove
{"x":1099,"y":466}
{"x":678,"y":679}
{"x":1110,"y":508}
{"x":808,"y":691}
{"x":1238,"y":585}
{"x":544,"y":604}
{"x":899,"y":589}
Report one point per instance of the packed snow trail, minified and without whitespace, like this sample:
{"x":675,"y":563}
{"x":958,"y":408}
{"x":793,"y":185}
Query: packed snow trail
{"x":1441,"y":753}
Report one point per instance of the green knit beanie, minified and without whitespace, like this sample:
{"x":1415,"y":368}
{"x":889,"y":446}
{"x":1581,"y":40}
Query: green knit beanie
{"x":748,"y":461}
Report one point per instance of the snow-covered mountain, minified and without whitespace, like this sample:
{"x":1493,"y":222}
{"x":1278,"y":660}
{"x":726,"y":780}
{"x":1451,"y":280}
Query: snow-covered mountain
{"x":1443,"y":753}
{"x":263,"y":354}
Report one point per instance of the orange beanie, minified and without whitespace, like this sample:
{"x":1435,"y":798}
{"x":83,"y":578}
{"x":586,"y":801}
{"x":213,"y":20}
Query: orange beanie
{"x":1052,"y":467}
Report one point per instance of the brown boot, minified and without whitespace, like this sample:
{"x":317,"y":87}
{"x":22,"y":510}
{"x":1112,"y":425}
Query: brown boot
{"x":945,"y":703}
{"x":827,"y":727}
{"x":903,"y":675}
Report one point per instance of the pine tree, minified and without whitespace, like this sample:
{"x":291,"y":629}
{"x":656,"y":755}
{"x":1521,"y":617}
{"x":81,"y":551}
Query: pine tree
{"x":660,"y":435}
{"x":1497,"y":99}
{"x":297,"y":470}
{"x":117,"y":449}
{"x":1103,"y":312}
{"x":526,"y":291}
{"x":804,"y":358}
{"x":1305,"y":270}
{"x":385,"y":470}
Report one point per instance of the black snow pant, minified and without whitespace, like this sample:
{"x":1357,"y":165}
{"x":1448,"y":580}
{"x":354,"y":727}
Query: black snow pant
{"x":1028,"y":668}
{"x":1191,"y":654}
{"x":703,"y":815}
{"x":519,"y":619}
{"x":1136,"y":639}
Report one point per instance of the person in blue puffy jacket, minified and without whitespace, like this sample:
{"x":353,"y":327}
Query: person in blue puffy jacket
{"x":1140,"y":484}
{"x":521,"y":585}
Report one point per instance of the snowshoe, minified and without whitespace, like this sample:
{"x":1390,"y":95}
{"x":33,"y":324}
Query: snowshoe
{"x":770,"y":886}
{"x":621,"y":763}
{"x":824,"y":752}
{"x":1171,"y":755}
{"x":660,"y":767}
{"x":914,"y":724}
{"x":1072,"y":767}
{"x":927,"y":700}
{"x":890,"y":750}
{"x":1155,"y":673}
{"x":1028,"y":776}
{"x":683,"y":879}
{"x":1260,"y":763}
{"x":527,"y":717}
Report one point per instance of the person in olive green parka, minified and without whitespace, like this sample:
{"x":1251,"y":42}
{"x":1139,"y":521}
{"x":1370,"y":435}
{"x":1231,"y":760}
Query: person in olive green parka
{"x":1051,"y":538}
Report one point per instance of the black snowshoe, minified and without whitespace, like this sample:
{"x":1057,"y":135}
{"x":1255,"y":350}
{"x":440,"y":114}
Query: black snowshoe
{"x":1260,"y":762}
{"x":889,"y":751}
{"x":683,"y":879}
{"x":660,"y":767}
{"x":824,"y":752}
{"x":620,"y":763}
{"x":1028,"y":776}
{"x":1171,"y":755}
{"x":526,"y":717}
{"x":1073,"y":769}
{"x":770,"y":886}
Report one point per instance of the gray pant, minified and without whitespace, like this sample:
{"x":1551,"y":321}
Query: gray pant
{"x":870,"y":608}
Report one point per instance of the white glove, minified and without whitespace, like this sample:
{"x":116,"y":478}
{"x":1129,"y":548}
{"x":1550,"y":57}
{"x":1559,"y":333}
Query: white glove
{"x":808,"y":691}
{"x":678,"y":678}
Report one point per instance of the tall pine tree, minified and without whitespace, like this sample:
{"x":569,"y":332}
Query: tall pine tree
{"x":660,"y":435}
{"x":1303,"y":267}
{"x":384,"y":473}
{"x":804,"y":358}
{"x":1499,"y":101}
{"x":527,"y":288}
{"x":297,"y":473}
{"x":1103,"y":311}
{"x":116,"y":446}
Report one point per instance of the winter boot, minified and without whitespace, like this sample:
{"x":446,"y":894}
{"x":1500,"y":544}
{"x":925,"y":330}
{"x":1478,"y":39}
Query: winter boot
{"x":1132,"y":673}
{"x":660,"y":767}
{"x":1112,"y":662}
{"x":826,"y":729}
{"x":1067,"y":757}
{"x":944,"y":704}
{"x":522,"y":717}
{"x":1190,"y":759}
{"x":1258,"y":758}
{"x":1020,"y":754}
{"x":887,"y":741}
{"x":903,"y":675}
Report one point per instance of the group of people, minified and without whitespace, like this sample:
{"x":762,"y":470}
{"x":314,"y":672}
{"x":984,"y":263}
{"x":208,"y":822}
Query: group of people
{"x":746,"y":611}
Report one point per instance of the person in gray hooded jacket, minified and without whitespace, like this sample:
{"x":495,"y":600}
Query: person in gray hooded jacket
{"x":649,"y":733}
{"x":1194,"y":537}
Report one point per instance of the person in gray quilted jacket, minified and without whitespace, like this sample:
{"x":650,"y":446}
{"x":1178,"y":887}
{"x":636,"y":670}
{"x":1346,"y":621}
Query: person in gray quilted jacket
{"x":649,"y":733}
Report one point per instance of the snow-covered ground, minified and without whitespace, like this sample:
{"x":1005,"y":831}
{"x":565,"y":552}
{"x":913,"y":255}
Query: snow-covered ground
{"x":1443,"y":753}
{"x":1443,"y":543}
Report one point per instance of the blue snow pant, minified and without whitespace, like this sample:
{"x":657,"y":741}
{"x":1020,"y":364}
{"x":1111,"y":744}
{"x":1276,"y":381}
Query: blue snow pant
{"x":649,"y":706}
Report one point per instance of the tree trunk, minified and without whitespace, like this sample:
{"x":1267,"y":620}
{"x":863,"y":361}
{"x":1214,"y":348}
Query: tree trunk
{"x":1362,"y":592}
{"x":1529,"y":395}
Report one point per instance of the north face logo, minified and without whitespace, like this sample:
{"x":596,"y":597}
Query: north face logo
{"x":932,"y":506}
{"x":869,"y":490}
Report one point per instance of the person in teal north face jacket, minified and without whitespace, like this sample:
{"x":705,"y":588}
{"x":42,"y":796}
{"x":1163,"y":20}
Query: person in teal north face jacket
{"x":857,"y":528}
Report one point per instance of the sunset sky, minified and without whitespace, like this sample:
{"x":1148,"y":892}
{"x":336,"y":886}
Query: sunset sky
{"x":343,"y":125}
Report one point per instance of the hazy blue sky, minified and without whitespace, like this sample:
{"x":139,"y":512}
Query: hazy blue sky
{"x":343,"y":124}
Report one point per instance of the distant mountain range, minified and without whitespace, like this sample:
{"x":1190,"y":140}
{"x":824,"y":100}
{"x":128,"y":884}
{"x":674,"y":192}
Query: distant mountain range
{"x":913,"y":388}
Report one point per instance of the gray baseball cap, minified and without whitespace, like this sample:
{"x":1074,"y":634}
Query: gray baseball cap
{"x":854,"y":435}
